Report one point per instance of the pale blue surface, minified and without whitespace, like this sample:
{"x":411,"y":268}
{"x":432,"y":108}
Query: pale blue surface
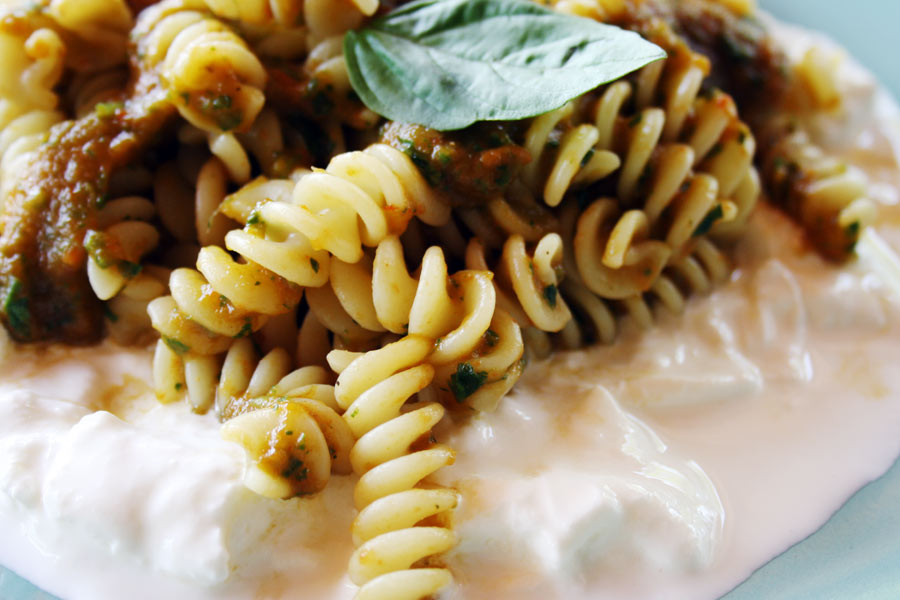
{"x":856,"y":555}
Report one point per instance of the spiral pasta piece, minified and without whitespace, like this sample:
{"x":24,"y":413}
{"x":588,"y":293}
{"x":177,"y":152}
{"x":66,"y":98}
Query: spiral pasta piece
{"x":380,"y":295}
{"x":696,"y":273}
{"x":527,"y":285}
{"x":126,"y":315}
{"x":212,"y":76}
{"x":101,"y":26}
{"x":257,"y":12}
{"x":288,"y":243}
{"x":326,"y":18}
{"x":286,"y":420}
{"x":115,"y":247}
{"x":824,"y":195}
{"x":88,"y":90}
{"x":373,"y":389}
{"x":682,"y":161}
{"x":33,"y":63}
{"x":576,"y":162}
{"x":477,"y":347}
{"x":613,"y":252}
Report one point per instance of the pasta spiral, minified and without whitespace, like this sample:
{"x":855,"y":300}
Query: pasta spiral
{"x":527,"y":285}
{"x":212,"y":76}
{"x":474,"y":343}
{"x":613,"y":252}
{"x":575,"y":162}
{"x":825,"y":196}
{"x":683,"y":160}
{"x":380,"y":295}
{"x":288,"y":244}
{"x":257,"y":12}
{"x":695,"y":273}
{"x":696,"y":270}
{"x":33,"y":63}
{"x":287,"y":422}
{"x":373,"y":389}
{"x":101,"y":29}
{"x":115,"y":248}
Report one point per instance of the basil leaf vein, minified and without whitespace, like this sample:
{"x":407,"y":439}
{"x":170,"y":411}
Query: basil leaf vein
{"x":446,"y":64}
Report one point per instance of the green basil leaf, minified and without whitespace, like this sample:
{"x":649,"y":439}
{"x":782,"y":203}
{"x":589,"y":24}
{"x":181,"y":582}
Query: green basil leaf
{"x":446,"y":64}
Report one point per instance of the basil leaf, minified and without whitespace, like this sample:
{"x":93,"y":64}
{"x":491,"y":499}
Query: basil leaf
{"x":446,"y":64}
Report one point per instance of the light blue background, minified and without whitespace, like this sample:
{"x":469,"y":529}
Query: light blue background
{"x":856,"y":555}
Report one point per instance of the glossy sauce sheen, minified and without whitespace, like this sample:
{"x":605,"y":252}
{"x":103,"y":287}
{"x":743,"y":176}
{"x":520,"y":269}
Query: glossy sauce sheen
{"x":669,"y":465}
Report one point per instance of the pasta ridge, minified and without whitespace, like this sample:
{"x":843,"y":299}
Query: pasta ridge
{"x":286,"y":420}
{"x":391,"y":541}
{"x":209,"y":72}
{"x":292,"y":232}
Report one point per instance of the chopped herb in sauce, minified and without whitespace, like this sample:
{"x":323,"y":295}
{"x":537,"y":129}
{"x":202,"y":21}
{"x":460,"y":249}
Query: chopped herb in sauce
{"x":476,"y":163}
{"x":246,"y":330}
{"x":177,"y":347}
{"x":550,"y":295}
{"x":295,"y":470}
{"x":466,"y":381}
{"x":129,"y":269}
{"x":109,"y":314}
{"x":16,"y":308}
{"x":106,"y":110}
{"x":255,"y":218}
{"x":709,"y":220}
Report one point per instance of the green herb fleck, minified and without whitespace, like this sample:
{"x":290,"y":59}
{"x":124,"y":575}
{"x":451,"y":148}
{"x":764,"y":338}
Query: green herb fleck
{"x":129,"y":269}
{"x":95,"y":243}
{"x":709,"y":220}
{"x":466,"y":381}
{"x":105,"y":110}
{"x":295,"y":470}
{"x":221,"y":102}
{"x":550,"y":294}
{"x":491,"y":338}
{"x":254,"y":219}
{"x":314,"y":264}
{"x":177,"y":347}
{"x":246,"y":330}
{"x":16,"y":308}
{"x":852,"y":230}
{"x":587,"y":157}
{"x":110,"y":315}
